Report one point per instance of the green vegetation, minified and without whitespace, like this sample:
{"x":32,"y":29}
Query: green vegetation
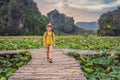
{"x":25,"y":18}
{"x":35,"y":23}
{"x":99,"y":66}
{"x":9,"y":63}
{"x":109,"y":23}
{"x":89,"y":43}
{"x":65,"y":42}
{"x":19,"y":44}
{"x":64,"y":29}
{"x":96,"y":67}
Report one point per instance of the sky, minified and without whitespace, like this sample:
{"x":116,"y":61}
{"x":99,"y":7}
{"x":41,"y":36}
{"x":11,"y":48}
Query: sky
{"x":81,"y":10}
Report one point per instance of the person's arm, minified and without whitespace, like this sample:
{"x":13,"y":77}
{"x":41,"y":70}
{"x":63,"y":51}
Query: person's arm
{"x":54,"y":38}
{"x":44,"y":41}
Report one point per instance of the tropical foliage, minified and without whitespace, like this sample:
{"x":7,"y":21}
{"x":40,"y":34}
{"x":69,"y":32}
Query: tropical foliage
{"x":9,"y":63}
{"x":96,"y":67}
{"x":99,"y":66}
{"x":65,"y":42}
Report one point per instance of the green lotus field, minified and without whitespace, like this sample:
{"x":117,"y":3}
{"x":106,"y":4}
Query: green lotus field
{"x":96,"y":67}
{"x":10,"y":63}
{"x":64,"y":42}
{"x":99,"y":66}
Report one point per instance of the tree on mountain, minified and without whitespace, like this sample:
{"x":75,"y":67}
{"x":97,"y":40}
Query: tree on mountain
{"x":109,"y":23}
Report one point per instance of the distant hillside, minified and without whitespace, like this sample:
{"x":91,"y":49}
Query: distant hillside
{"x":64,"y":24}
{"x":110,"y":23}
{"x":88,"y":25}
{"x":21,"y":17}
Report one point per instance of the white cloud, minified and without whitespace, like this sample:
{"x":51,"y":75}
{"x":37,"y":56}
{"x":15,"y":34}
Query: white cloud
{"x":81,"y":10}
{"x":60,"y":4}
{"x":92,"y":5}
{"x":85,"y":4}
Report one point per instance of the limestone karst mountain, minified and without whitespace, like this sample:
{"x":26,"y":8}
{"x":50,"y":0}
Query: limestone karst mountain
{"x":64,"y":24}
{"x":110,"y":23}
{"x":21,"y":17}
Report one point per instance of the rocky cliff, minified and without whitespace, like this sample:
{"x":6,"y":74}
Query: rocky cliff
{"x":57,"y":18}
{"x":109,"y":23}
{"x":64,"y":24}
{"x":20,"y":17}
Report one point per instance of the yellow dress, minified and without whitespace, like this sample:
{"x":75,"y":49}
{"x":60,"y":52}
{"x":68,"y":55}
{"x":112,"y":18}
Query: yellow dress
{"x":49,"y":37}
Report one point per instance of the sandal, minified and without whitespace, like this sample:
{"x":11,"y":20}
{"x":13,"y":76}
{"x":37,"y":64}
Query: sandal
{"x":50,"y":61}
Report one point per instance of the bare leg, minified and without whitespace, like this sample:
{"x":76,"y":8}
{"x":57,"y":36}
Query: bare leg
{"x":50,"y":52}
{"x":47,"y":51}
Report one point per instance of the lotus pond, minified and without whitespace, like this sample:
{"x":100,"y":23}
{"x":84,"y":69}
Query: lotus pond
{"x":95,"y":67}
{"x":10,"y":63}
{"x":64,"y":42}
{"x":99,"y":66}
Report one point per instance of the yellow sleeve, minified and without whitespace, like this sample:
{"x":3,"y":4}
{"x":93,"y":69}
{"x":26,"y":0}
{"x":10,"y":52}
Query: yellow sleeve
{"x":44,"y":34}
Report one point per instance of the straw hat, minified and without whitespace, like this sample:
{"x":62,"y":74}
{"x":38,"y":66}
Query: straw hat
{"x":49,"y":25}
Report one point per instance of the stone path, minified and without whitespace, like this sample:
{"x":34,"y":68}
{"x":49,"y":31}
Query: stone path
{"x":63,"y":68}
